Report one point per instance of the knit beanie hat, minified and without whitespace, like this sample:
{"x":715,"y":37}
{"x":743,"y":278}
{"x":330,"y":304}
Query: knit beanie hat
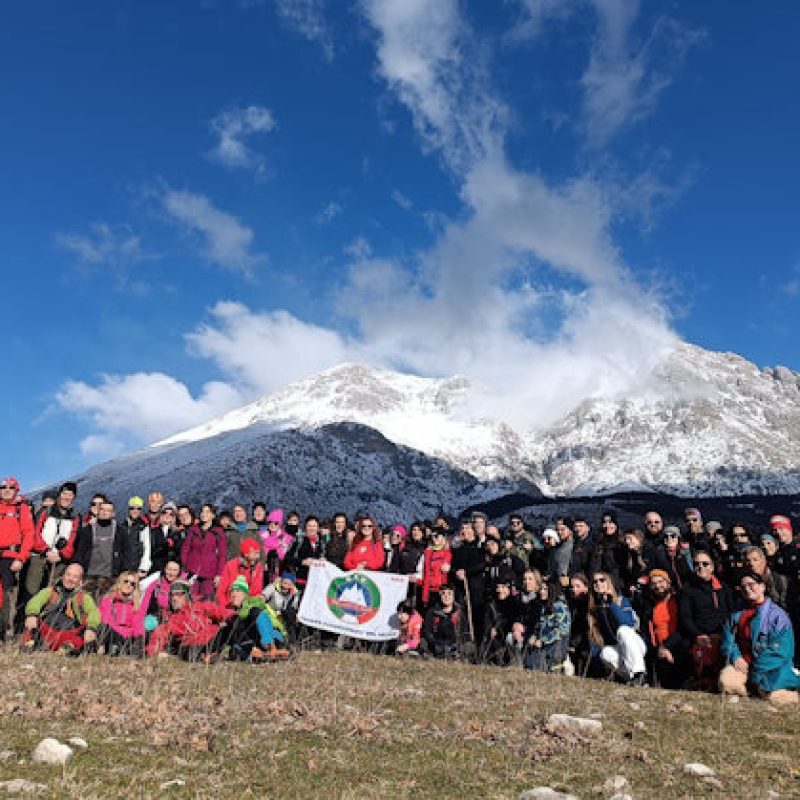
{"x":240,"y":585}
{"x":136,"y":502}
{"x":780,"y":522}
{"x":401,"y":530}
{"x":550,"y":535}
{"x":181,"y":587}
{"x":673,"y":529}
{"x":712,"y":526}
{"x":276,"y":515}
{"x":695,"y":512}
{"x":660,"y":573}
{"x":247,"y":545}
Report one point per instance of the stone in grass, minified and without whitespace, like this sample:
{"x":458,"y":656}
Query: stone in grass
{"x":51,"y":751}
{"x":173,"y":783}
{"x":21,"y":786}
{"x":617,"y":784}
{"x":6,"y":754}
{"x":564,"y":723}
{"x":698,"y":769}
{"x":545,"y":793}
{"x":621,"y":796}
{"x":77,"y":741}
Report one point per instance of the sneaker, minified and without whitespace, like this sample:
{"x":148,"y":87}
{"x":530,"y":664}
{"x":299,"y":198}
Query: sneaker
{"x":639,"y":679}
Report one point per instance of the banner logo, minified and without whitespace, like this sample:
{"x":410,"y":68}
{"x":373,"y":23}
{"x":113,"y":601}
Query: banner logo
{"x":354,"y":598}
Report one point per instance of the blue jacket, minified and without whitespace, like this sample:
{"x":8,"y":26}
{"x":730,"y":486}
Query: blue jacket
{"x":773,"y":647}
{"x":611,"y":616}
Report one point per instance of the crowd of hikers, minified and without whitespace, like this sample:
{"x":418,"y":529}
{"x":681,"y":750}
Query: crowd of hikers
{"x":692,"y":605}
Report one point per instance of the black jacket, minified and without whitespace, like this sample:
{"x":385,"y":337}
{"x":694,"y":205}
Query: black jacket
{"x":703,"y":609}
{"x":124,"y":557}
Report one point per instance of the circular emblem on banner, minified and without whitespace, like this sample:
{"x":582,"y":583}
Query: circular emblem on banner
{"x":354,"y":598}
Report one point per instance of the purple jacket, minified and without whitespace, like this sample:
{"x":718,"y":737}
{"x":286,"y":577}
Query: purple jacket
{"x":204,"y":553}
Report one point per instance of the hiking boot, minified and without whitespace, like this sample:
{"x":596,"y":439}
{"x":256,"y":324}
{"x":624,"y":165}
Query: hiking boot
{"x":275,"y":652}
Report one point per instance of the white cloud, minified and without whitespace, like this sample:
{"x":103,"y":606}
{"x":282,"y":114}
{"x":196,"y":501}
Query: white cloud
{"x":101,"y":447}
{"x":307,"y":17}
{"x":624,"y":77}
{"x":625,"y":74}
{"x":421,"y":55}
{"x":263,"y":351}
{"x":232,"y":128}
{"x":359,"y":249}
{"x":792,"y":287}
{"x":224,"y":240}
{"x":329,"y":213}
{"x":104,"y":245}
{"x":140,"y":407}
{"x":401,"y":200}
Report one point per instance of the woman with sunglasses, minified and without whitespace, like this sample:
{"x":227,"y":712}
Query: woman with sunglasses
{"x":122,"y":615}
{"x":674,"y":557}
{"x":366,"y":551}
{"x":612,"y":631}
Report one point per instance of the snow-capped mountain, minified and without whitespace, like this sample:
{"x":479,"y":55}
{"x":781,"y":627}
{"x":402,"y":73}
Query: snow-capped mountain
{"x":403,"y":446}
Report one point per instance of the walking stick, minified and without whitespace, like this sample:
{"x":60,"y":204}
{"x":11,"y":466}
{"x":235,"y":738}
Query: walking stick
{"x":469,"y":610}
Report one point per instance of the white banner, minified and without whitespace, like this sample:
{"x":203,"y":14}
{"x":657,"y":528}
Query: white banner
{"x":361,"y":604}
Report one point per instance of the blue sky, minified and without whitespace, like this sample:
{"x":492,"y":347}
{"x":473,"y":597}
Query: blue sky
{"x":202,"y":201}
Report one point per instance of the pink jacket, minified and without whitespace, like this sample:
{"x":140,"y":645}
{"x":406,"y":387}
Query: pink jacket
{"x":120,"y":616}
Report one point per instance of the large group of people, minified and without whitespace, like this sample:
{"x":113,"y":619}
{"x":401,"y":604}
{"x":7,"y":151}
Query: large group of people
{"x":688,"y":605}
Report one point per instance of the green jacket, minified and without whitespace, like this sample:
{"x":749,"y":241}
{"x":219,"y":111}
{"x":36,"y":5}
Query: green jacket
{"x":79,"y":605}
{"x":262,"y":605}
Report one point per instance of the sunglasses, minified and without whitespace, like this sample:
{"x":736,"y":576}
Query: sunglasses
{"x":6,"y":487}
{"x":367,"y":526}
{"x":598,"y":580}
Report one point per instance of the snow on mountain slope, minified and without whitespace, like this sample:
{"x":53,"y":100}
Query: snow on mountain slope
{"x":352,"y":437}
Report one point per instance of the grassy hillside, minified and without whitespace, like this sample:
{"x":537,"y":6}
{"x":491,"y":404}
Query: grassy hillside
{"x":345,"y":725}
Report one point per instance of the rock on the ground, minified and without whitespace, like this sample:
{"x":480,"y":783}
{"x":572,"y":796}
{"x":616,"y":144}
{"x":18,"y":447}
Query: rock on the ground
{"x":698,"y":769}
{"x":568,"y":724}
{"x":21,"y":786}
{"x":621,"y":796}
{"x":6,"y":754}
{"x":545,"y":793}
{"x":173,"y":783}
{"x":616,"y":783}
{"x":51,"y":751}
{"x":77,"y":741}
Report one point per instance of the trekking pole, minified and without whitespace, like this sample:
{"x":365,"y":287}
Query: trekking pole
{"x":469,"y":610}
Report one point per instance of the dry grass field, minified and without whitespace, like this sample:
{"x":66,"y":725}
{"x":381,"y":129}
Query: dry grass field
{"x":346,"y":725}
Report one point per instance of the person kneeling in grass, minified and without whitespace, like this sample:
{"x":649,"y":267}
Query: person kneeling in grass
{"x":62,"y":617}
{"x":255,"y":632}
{"x":758,"y":644}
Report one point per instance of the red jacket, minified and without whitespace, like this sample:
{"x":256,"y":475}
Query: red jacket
{"x":369,"y":553}
{"x":433,"y":578}
{"x":233,"y":569}
{"x":194,"y":625}
{"x":16,"y":530}
{"x":50,"y":527}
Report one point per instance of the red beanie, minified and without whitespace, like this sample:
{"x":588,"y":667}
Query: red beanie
{"x":247,"y":545}
{"x":780,"y":522}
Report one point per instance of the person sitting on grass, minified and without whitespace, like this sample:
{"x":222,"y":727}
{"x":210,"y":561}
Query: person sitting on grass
{"x":122,"y":614}
{"x":410,"y":630}
{"x":62,"y":617}
{"x":255,"y":631}
{"x":445,"y":629}
{"x":665,"y":648}
{"x":758,"y":645}
{"x":156,"y":596}
{"x":192,"y":630}
{"x":612,"y":631}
